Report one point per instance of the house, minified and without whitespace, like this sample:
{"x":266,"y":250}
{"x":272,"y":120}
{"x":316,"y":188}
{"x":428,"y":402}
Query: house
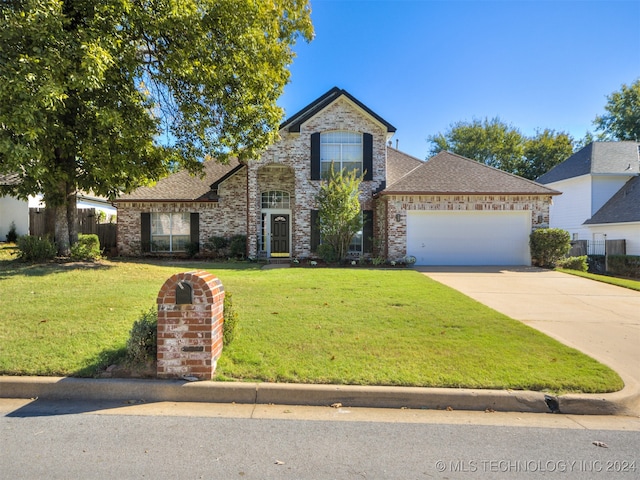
{"x":12,"y":210}
{"x":600,"y":194}
{"x":446,"y":211}
{"x":16,"y":211}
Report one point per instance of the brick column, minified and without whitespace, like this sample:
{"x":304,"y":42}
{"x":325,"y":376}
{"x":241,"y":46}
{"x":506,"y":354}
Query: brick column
{"x":190,"y":318}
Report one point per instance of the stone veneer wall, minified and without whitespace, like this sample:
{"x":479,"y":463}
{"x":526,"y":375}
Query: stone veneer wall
{"x":396,"y":247}
{"x":294,"y":151}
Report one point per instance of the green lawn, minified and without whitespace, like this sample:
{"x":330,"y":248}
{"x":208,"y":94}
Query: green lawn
{"x":310,"y":325}
{"x":620,"y":282}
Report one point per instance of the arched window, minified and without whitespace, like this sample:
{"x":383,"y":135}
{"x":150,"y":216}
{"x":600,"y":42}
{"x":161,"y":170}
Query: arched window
{"x":342,"y":148}
{"x":276,"y":199}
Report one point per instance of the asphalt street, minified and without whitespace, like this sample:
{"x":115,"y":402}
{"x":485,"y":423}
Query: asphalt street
{"x":63,"y":440}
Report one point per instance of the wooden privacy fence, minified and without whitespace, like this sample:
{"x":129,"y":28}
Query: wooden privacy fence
{"x":42,"y":222}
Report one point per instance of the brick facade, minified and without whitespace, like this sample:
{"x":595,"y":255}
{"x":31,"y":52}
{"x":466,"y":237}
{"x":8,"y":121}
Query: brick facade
{"x":190,"y":332}
{"x":293,"y":152}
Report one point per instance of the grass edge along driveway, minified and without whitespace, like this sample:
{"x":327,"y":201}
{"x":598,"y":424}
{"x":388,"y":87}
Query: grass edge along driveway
{"x":307,"y":325}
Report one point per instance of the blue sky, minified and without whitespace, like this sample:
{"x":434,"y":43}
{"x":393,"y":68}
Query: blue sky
{"x":423,"y":65}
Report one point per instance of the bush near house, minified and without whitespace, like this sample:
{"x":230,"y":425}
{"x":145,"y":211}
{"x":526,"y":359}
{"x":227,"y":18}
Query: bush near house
{"x":87,"y":248}
{"x":549,"y":245}
{"x":12,"y":236}
{"x":574,"y":263}
{"x":36,"y":249}
{"x":624,"y":265}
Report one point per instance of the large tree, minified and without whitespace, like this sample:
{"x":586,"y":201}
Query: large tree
{"x":502,"y":146}
{"x":622,"y":120}
{"x":491,"y":142}
{"x":107,"y":95}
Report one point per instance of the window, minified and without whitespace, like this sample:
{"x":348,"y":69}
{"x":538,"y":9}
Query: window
{"x":344,"y":149}
{"x":276,"y":199}
{"x":170,"y":232}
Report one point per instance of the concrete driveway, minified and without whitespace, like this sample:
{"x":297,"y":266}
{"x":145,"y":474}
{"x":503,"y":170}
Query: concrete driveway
{"x":598,"y":319}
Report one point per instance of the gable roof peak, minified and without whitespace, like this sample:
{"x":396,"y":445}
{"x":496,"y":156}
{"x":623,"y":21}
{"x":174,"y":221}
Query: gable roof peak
{"x":293,"y":123}
{"x":597,"y":158}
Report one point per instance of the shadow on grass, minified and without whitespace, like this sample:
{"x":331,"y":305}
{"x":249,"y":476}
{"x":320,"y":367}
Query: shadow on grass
{"x":15,"y":268}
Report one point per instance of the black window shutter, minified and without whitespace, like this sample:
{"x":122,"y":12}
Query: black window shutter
{"x":367,"y":155}
{"x":367,"y":231}
{"x":315,"y":231}
{"x":145,"y":232}
{"x":194,"y":230}
{"x":315,"y":156}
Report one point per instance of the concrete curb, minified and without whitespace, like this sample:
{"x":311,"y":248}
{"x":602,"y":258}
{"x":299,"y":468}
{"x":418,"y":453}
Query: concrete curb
{"x":65,"y":388}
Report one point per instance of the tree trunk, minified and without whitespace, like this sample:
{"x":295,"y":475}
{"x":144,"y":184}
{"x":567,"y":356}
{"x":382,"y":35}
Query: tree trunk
{"x":72,"y":216}
{"x":62,"y":230}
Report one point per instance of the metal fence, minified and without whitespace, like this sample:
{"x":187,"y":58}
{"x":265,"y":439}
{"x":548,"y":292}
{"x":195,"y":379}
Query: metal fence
{"x":598,"y":247}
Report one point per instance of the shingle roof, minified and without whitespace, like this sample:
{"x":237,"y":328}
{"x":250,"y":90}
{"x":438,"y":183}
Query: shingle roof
{"x":9,"y":179}
{"x":399,"y":164}
{"x":182,"y":186}
{"x":599,"y":158}
{"x":623,"y":207}
{"x":448,"y":173}
{"x":293,"y":122}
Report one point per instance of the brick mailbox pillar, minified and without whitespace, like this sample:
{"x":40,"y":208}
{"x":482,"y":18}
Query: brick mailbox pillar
{"x":190,"y":318}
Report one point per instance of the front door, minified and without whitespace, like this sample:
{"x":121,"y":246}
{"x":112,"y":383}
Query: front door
{"x":279,"y":235}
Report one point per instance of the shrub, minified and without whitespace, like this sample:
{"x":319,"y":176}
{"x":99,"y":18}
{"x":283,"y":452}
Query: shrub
{"x":217,"y":245}
{"x":574,"y":263}
{"x":624,"y":265}
{"x":549,"y":245}
{"x":86,"y":248}
{"x":327,"y":253}
{"x":142,"y":344}
{"x":35,"y":249}
{"x":192,"y":249}
{"x":12,"y":236}
{"x":230,"y":320}
{"x":238,"y":246}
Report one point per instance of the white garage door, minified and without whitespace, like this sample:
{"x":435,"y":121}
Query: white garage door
{"x":469,"y":238}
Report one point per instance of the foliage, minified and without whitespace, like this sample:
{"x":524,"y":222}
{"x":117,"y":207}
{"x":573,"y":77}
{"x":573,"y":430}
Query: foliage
{"x":549,"y":245}
{"x":12,"y":235}
{"x":192,"y":249}
{"x":543,"y":152}
{"x":109,"y":95}
{"x":86,"y":248}
{"x":622,"y":120}
{"x":35,"y":249}
{"x":230,"y":325}
{"x":143,"y":338}
{"x":327,"y":253}
{"x":624,"y":265}
{"x":496,"y":144}
{"x":238,"y":246}
{"x":339,"y":213}
{"x":217,"y":245}
{"x":574,"y":263}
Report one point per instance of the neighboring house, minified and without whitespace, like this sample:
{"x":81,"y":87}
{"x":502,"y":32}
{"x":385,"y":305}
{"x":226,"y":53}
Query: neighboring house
{"x":600,"y":194}
{"x":12,"y":210}
{"x":447,"y":211}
